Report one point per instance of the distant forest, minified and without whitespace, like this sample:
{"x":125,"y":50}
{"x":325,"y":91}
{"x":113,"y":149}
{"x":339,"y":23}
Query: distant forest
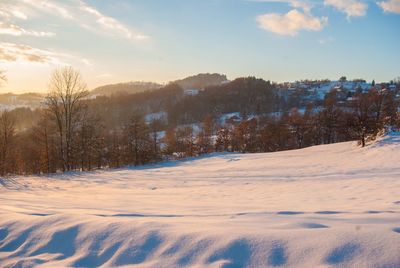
{"x":73,"y":131}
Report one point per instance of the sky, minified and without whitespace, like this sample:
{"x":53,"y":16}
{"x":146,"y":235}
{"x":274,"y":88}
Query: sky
{"x":164,"y":40}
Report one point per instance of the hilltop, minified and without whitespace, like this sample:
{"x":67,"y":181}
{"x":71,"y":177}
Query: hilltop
{"x":124,"y":88}
{"x":198,"y":81}
{"x":202,"y":81}
{"x":10,"y":101}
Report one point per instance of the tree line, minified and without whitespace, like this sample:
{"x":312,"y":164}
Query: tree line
{"x":73,"y":132}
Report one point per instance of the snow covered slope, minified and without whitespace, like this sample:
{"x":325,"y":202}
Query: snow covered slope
{"x":325,"y":206}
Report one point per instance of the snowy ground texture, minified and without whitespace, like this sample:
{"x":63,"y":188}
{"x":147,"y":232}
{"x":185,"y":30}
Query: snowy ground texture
{"x":325,"y":206}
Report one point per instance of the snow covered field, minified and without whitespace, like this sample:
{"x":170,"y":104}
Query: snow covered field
{"x":325,"y":206}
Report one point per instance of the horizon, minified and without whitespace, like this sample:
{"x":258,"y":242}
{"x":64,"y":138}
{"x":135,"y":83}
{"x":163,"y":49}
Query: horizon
{"x":2,"y":92}
{"x":276,"y":40}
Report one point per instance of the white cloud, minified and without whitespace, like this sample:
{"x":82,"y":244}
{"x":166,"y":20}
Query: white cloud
{"x":8,"y":11}
{"x":352,"y":8}
{"x":11,"y":29}
{"x":19,"y":14}
{"x":390,"y":6}
{"x":87,"y":62}
{"x":10,"y":52}
{"x":291,"y":23}
{"x":305,"y":5}
{"x":109,"y":23}
{"x":85,"y":16}
{"x":326,"y":40}
{"x":50,"y":6}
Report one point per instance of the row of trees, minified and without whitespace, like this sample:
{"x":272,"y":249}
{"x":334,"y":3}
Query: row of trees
{"x":366,"y":117}
{"x":71,"y":135}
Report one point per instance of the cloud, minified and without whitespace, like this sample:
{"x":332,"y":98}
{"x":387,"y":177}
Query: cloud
{"x":8,"y":11}
{"x":49,"y":6}
{"x":390,"y":6}
{"x":109,"y":23}
{"x":85,"y":16}
{"x":10,"y":52}
{"x":12,"y":12}
{"x":352,"y":8}
{"x":11,"y":29}
{"x":303,"y":4}
{"x":291,"y":23}
{"x":327,"y":40}
{"x":87,"y":62}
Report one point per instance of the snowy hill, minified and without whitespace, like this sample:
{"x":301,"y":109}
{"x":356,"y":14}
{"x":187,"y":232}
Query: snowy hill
{"x":10,"y":101}
{"x":325,"y":206}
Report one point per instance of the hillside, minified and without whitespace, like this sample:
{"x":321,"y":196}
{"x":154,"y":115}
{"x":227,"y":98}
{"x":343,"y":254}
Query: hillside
{"x":196,"y":81}
{"x":10,"y":101}
{"x":332,"y":205}
{"x":202,"y":81}
{"x":124,"y":88}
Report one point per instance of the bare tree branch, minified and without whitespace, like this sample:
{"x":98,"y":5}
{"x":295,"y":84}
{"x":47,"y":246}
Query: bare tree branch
{"x":64,"y":104}
{"x":3,"y":77}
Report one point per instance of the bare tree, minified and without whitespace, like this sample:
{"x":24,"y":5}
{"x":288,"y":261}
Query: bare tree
{"x":170,"y":141}
{"x":186,"y":141}
{"x":155,"y":127}
{"x":224,"y":139}
{"x":138,"y":140}
{"x":363,"y":120}
{"x":297,"y":126}
{"x":7,"y":136}
{"x":204,"y":141}
{"x":65,"y":105}
{"x":42,"y":135}
{"x":114,"y":146}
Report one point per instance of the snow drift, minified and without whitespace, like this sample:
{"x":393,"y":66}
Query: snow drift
{"x":325,"y":206}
